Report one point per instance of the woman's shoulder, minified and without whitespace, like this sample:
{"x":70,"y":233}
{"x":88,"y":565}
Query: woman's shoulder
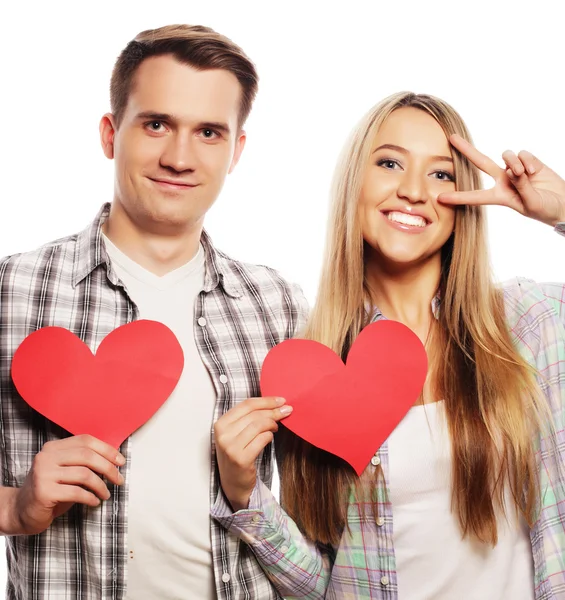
{"x":535,"y":313}
{"x":523,"y":296}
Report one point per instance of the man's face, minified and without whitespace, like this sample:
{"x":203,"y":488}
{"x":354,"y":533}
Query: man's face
{"x":178,"y":140}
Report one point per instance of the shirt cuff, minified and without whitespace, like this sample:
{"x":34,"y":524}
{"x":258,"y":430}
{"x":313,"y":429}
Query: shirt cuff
{"x":262,"y":521}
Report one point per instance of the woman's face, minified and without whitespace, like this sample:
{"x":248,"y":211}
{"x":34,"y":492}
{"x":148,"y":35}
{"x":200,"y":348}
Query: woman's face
{"x":410,"y":166}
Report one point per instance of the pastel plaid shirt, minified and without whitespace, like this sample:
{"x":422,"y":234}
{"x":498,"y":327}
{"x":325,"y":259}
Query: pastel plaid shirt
{"x":243,"y":311}
{"x":363,"y":565}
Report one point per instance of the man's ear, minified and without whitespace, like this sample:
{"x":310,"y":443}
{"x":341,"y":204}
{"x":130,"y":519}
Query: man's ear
{"x":107,"y":132}
{"x":239,"y":146}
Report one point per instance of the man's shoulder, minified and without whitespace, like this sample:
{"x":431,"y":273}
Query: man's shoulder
{"x":58,"y":254}
{"x":266,"y":291}
{"x":252,"y":276}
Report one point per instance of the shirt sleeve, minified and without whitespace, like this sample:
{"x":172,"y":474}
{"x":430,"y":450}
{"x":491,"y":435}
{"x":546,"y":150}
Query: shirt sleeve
{"x":296,"y":567}
{"x":555,"y":292}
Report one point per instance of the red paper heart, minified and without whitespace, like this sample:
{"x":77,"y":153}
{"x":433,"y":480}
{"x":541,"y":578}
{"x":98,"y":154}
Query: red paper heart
{"x":348,"y":410}
{"x":107,"y":395}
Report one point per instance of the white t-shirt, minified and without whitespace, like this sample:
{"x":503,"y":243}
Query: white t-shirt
{"x":432,"y":559}
{"x":169,"y":546}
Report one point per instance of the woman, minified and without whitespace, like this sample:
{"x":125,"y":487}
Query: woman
{"x":467,"y":497}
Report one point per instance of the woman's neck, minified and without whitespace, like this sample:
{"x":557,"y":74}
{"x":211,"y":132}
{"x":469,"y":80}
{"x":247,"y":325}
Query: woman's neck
{"x":405,"y":295}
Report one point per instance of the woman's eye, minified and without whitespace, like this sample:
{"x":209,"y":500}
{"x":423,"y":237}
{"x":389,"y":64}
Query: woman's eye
{"x":388,"y":164}
{"x":444,"y":176}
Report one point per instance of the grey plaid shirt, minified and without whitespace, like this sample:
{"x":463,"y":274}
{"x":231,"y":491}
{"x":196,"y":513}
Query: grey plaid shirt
{"x":243,"y":311}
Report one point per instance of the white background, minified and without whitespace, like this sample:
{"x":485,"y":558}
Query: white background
{"x":500,"y":64}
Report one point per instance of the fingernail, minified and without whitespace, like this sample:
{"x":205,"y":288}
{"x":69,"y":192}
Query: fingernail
{"x":120,"y":459}
{"x":286,"y":410}
{"x":531,"y":169}
{"x":120,"y":479}
{"x":280,"y":401}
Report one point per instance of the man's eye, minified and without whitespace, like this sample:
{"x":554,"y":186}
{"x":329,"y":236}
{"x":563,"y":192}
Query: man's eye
{"x":155,"y":126}
{"x":209,"y":134}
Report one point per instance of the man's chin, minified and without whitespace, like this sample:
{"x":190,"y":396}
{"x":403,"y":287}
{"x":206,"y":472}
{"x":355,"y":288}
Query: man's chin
{"x":174,"y":218}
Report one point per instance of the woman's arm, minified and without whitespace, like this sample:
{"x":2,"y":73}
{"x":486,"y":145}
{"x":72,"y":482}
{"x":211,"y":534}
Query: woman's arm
{"x":296,"y":567}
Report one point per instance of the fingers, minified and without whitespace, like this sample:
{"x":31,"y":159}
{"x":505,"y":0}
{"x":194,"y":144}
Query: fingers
{"x":253,"y":430}
{"x":257,"y":445}
{"x":76,"y":495}
{"x":473,"y":197}
{"x":84,"y":451}
{"x":524,"y":163}
{"x":244,"y":429}
{"x":85,"y":457}
{"x":88,"y":441}
{"x":276,"y":414}
{"x":519,"y":170}
{"x":249,"y":406}
{"x":81,"y":476}
{"x":480,"y":160}
{"x":244,"y":450}
{"x":513,"y":164}
{"x":532,"y":164}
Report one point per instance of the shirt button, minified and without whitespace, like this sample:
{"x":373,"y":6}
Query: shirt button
{"x":201,"y":321}
{"x":384,"y":580}
{"x":284,"y":549}
{"x":256,"y":519}
{"x":226,"y":577}
{"x":223,"y":378}
{"x":380,"y":521}
{"x":375,"y":461}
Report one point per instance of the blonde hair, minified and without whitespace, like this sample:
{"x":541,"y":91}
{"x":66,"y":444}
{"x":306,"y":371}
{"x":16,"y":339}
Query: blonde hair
{"x":492,"y":400}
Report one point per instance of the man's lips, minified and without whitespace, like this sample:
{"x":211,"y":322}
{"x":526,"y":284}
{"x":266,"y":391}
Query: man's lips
{"x":173,"y":184}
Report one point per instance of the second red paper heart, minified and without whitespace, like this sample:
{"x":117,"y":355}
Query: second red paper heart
{"x":348,"y":409}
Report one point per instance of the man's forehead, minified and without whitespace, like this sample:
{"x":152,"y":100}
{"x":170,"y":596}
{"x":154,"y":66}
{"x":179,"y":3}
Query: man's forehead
{"x":167,"y":77}
{"x":163,"y":85}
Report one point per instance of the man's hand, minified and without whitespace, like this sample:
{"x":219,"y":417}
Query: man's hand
{"x":65,"y":472}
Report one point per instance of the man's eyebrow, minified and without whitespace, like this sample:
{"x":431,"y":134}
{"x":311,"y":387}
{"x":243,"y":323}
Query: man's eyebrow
{"x":223,"y":127}
{"x":150,"y":115}
{"x":436,"y":158}
{"x":155,"y":116}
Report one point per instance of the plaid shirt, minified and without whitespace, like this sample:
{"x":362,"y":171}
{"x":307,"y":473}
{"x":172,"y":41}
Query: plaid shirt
{"x":243,"y":311}
{"x":363,"y":566}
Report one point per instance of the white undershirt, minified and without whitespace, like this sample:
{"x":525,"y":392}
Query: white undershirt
{"x":169,"y":547}
{"x":432,"y":560}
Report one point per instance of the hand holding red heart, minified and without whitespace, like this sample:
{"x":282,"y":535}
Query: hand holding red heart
{"x":65,"y":472}
{"x":241,"y":434}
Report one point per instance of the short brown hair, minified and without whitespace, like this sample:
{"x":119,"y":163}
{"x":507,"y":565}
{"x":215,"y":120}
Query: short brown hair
{"x":199,"y":47}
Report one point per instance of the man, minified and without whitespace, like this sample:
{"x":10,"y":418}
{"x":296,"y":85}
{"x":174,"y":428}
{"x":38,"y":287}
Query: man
{"x":179,"y":96}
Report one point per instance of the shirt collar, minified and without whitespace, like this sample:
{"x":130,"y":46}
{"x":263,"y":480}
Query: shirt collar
{"x":376,"y":314}
{"x":90,"y":253}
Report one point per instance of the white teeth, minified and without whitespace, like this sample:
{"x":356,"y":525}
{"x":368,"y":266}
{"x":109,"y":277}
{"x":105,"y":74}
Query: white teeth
{"x":406,"y":219}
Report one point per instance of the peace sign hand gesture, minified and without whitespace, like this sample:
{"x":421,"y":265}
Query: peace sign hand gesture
{"x":526,"y":185}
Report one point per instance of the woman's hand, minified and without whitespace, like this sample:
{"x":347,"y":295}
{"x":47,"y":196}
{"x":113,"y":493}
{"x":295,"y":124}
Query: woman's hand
{"x":526,"y":185}
{"x":241,"y":434}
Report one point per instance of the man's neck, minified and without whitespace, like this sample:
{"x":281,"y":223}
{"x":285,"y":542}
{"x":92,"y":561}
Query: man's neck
{"x":155,"y":251}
